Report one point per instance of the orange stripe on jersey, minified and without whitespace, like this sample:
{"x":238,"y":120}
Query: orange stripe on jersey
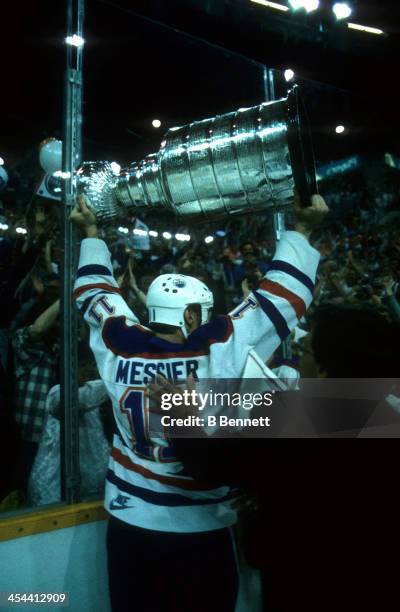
{"x":190,"y":485}
{"x":104,"y":286}
{"x":294,"y":300}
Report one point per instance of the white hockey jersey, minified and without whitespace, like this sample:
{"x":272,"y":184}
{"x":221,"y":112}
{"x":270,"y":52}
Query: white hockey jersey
{"x":145,"y":485}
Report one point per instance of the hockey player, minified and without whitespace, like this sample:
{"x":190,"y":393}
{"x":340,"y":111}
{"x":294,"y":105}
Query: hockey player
{"x":169,"y":544}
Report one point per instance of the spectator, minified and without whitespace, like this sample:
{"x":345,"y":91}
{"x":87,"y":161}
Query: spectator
{"x":45,"y":483}
{"x":249,"y":264}
{"x":325,"y":517}
{"x":17,"y":258}
{"x":35,"y":348}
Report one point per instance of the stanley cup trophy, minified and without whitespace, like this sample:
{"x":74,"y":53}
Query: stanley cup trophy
{"x":242,"y":162}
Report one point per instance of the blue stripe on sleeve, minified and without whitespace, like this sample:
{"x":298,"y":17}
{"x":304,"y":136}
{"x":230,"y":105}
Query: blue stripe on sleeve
{"x":161,"y":499}
{"x":93,"y":269}
{"x":274,"y":315}
{"x":283,"y":266}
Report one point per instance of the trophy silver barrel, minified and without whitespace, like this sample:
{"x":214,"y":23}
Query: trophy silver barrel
{"x":242,"y":162}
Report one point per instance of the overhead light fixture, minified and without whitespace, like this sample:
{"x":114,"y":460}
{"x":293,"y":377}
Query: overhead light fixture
{"x":311,"y":5}
{"x":356,"y":26}
{"x":156,"y":123}
{"x":61,"y":174}
{"x":167,"y":235}
{"x":307,"y":5}
{"x":75,"y":40}
{"x":1,"y":161}
{"x":116,"y":168}
{"x":339,"y":129}
{"x":272,"y":5}
{"x":341,"y":10}
{"x":153,"y":233}
{"x":289,"y":74}
{"x":208,"y":239}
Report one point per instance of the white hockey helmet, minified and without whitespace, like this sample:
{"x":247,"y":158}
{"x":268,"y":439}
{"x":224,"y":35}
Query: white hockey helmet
{"x":170,"y":294}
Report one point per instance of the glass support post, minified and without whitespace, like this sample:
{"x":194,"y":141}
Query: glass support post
{"x":72,"y":157}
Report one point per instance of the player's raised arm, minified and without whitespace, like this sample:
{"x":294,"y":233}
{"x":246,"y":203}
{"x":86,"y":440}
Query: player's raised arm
{"x":267,"y":316}
{"x":96,"y":292}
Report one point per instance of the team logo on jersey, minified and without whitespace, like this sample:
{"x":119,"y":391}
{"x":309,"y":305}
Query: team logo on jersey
{"x":120,"y":503}
{"x":179,"y":282}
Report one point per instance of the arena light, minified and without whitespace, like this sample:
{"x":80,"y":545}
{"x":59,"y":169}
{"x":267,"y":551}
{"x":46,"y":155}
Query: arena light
{"x":208,"y":239}
{"x":156,"y":123}
{"x":139,"y":232}
{"x":61,"y":174}
{"x":123,"y":230}
{"x":361,"y":28}
{"x":75,"y":40}
{"x":272,"y":5}
{"x":289,"y":74}
{"x":3,"y":226}
{"x":167,"y":235}
{"x":116,"y":168}
{"x":341,"y":10}
{"x":339,"y":129}
{"x":153,"y":234}
{"x":1,"y":161}
{"x":307,"y":5}
{"x":311,"y":5}
{"x":21,"y":230}
{"x":180,"y":237}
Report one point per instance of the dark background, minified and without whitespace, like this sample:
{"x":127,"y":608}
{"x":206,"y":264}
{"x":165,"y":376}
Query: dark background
{"x":139,"y":64}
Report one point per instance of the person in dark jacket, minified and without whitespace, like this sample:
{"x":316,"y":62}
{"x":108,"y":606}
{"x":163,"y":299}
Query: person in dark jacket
{"x":325,"y":535}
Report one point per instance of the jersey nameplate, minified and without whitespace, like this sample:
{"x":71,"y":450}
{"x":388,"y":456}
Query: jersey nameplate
{"x":141,"y":372}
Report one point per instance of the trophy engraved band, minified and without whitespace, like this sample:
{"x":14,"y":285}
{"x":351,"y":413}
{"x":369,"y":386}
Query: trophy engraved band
{"x":242,"y":162}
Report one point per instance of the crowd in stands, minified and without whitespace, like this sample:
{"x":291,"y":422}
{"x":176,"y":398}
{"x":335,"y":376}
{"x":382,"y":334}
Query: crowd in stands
{"x":360,"y":265}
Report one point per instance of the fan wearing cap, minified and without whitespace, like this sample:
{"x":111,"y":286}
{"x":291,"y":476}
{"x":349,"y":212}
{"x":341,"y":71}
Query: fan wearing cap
{"x":168,"y":541}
